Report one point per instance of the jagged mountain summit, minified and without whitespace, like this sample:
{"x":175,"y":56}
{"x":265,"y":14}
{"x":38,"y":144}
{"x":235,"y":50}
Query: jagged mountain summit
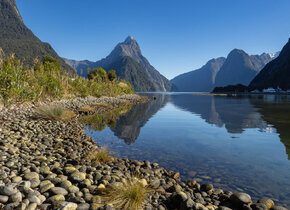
{"x":276,"y":73}
{"x":237,"y":68}
{"x":16,"y":38}
{"x":129,"y":63}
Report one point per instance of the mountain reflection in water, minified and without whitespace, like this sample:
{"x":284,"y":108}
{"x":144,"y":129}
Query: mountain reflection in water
{"x":236,"y":143}
{"x":265,"y":112}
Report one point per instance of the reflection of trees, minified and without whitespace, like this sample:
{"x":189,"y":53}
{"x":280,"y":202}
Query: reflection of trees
{"x":98,"y":122}
{"x":275,"y":111}
{"x":128,"y":126}
{"x":236,"y":113}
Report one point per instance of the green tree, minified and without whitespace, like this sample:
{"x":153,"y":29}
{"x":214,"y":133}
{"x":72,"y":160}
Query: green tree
{"x":98,"y":74}
{"x":112,"y":75}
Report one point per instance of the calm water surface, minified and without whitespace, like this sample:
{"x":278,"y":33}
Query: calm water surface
{"x":237,"y":143}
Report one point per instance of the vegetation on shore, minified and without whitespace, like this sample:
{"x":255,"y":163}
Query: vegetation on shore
{"x":47,"y":80}
{"x":131,"y":194}
{"x":99,"y":156}
{"x":54,"y":113}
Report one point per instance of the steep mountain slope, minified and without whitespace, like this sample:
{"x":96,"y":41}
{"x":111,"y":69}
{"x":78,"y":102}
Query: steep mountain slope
{"x":129,"y":48}
{"x":240,"y":68}
{"x":131,"y":71}
{"x":276,"y":73}
{"x":201,"y":80}
{"x":16,"y":38}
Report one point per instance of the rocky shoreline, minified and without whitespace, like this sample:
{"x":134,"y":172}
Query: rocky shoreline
{"x":43,"y":165}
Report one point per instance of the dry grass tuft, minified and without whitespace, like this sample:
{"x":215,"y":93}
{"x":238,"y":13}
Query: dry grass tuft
{"x":130,"y":195}
{"x":86,"y":109}
{"x":99,"y":156}
{"x":105,"y":105}
{"x":54,"y":112}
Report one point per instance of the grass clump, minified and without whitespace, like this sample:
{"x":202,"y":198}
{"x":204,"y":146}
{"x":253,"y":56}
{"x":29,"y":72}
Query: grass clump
{"x":86,"y":109}
{"x":130,"y":195}
{"x":54,"y":112}
{"x":99,"y":156}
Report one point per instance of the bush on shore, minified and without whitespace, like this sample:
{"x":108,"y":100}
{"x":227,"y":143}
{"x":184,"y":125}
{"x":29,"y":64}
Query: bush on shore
{"x":47,"y":80}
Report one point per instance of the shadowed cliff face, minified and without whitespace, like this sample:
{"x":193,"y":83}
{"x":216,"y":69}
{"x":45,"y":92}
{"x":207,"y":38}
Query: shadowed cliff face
{"x":277,"y":114}
{"x":276,"y":73}
{"x":16,"y":38}
{"x":129,"y":126}
{"x":236,"y":114}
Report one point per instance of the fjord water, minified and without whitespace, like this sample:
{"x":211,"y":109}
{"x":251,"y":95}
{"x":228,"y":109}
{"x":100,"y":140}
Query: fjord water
{"x":237,"y":143}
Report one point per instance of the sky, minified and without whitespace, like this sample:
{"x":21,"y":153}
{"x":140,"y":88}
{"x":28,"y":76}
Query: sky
{"x":176,"y":36}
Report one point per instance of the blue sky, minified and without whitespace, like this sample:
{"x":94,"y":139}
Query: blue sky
{"x":175,"y":35}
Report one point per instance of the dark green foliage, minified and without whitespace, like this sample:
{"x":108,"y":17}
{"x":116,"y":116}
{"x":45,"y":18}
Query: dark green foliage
{"x":98,"y":74}
{"x":16,"y":38}
{"x":112,"y":75}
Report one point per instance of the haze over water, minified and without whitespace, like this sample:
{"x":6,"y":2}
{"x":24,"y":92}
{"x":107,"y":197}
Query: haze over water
{"x":237,"y":143}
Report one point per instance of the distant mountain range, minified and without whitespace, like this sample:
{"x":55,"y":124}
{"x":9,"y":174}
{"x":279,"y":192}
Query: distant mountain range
{"x":276,"y":73}
{"x":200,"y":80}
{"x":129,"y":63}
{"x":16,"y":38}
{"x":237,"y":68}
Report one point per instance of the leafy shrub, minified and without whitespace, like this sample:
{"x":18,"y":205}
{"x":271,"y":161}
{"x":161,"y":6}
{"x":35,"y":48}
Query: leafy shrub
{"x":13,"y":81}
{"x":112,"y":75}
{"x":98,"y":74}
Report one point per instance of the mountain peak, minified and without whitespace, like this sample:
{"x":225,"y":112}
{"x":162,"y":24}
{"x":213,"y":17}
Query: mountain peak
{"x":237,"y":52}
{"x":129,"y":39}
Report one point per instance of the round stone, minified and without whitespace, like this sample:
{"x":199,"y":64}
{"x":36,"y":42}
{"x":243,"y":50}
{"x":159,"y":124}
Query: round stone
{"x":66,"y":184}
{"x":69,"y":206}
{"x":59,"y":191}
{"x":32,"y":206}
{"x":56,"y":198}
{"x":259,"y":206}
{"x":7,"y":190}
{"x":206,"y":187}
{"x":16,"y":198}
{"x":143,"y":182}
{"x":34,"y":199}
{"x":31,"y":175}
{"x":45,"y":188}
{"x":240,"y":198}
{"x":73,"y":189}
{"x":3,"y":198}
{"x":16,"y":179}
{"x":78,"y":176}
{"x":268,"y":202}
